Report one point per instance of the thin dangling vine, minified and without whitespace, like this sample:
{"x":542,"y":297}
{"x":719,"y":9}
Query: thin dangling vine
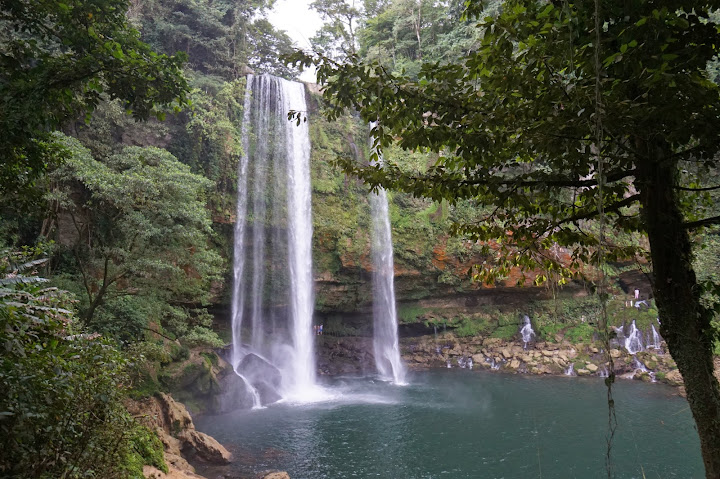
{"x":603,"y":323}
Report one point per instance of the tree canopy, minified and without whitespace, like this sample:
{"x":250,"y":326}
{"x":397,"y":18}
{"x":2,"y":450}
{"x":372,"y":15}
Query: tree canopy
{"x":221,"y":38}
{"x":135,"y":224}
{"x":58,"y":61}
{"x":545,"y":110}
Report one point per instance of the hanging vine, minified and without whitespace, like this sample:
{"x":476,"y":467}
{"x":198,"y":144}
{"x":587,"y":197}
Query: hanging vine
{"x":603,"y":323}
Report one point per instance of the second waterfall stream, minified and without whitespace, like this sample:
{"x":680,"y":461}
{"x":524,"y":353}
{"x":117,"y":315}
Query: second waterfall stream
{"x":385,"y":337}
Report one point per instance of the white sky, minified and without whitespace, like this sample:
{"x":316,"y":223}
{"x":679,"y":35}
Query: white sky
{"x":300,"y":22}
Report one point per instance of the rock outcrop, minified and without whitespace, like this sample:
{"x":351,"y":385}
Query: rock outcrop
{"x":175,"y":428}
{"x":196,"y":381}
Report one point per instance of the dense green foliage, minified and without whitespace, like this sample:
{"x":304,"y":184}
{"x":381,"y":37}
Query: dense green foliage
{"x":135,"y":224}
{"x":61,"y":411}
{"x":338,"y":35}
{"x":399,"y":34}
{"x":131,"y":222}
{"x":541,"y":148}
{"x":221,"y":38}
{"x":58,"y":62}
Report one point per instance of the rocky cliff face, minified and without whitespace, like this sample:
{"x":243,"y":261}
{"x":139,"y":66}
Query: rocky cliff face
{"x":431,"y":276}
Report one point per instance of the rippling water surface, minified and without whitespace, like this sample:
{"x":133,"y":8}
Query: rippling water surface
{"x":466,"y":424}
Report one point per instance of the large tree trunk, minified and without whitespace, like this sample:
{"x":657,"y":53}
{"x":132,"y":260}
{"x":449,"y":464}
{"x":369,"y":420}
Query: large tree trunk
{"x":685,"y":324}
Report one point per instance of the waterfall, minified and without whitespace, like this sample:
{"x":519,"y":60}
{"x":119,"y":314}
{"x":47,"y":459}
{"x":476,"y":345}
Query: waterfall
{"x":633,"y":341}
{"x":640,"y":368}
{"x":238,"y":296}
{"x":570,"y":371}
{"x":386,"y":346}
{"x":254,"y":393}
{"x":273,"y":241}
{"x":656,"y":339}
{"x":527,"y":331}
{"x":385,"y":338}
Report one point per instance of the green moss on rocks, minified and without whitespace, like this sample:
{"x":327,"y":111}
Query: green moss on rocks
{"x":146,"y":449}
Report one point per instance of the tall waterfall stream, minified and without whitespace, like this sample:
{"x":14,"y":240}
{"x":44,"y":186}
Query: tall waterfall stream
{"x":273,"y":349}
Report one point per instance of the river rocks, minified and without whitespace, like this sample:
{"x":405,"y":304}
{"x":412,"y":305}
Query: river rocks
{"x":262,"y":375}
{"x":276,"y":475}
{"x":197,"y":380}
{"x":560,"y":362}
{"x":674,"y":378}
{"x":205,"y":447}
{"x":542,"y":357}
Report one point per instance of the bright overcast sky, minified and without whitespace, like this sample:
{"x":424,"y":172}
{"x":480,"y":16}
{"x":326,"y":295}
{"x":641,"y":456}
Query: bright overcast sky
{"x":300,"y":22}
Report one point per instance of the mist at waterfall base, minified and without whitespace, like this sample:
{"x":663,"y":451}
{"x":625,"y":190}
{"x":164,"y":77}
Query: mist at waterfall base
{"x":466,"y":424}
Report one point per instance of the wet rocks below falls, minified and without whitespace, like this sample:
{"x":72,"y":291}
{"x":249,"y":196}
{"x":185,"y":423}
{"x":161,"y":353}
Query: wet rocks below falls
{"x":351,"y":355}
{"x":562,"y":358}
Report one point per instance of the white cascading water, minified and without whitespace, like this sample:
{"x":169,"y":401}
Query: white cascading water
{"x":238,"y":299}
{"x":273,"y":234}
{"x":527,"y":331}
{"x":656,"y":339}
{"x":300,"y":242}
{"x":633,"y":341}
{"x":385,"y":337}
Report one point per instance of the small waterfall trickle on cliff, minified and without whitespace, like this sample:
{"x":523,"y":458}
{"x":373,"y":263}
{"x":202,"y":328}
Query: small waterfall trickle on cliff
{"x":385,"y":337}
{"x":656,"y":339}
{"x":273,"y":242}
{"x":633,"y":341}
{"x":527,"y":331}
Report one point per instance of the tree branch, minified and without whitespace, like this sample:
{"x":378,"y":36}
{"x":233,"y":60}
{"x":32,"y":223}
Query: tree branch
{"x":691,"y":225}
{"x":609,"y":208}
{"x":709,"y":188}
{"x":558,"y":182}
